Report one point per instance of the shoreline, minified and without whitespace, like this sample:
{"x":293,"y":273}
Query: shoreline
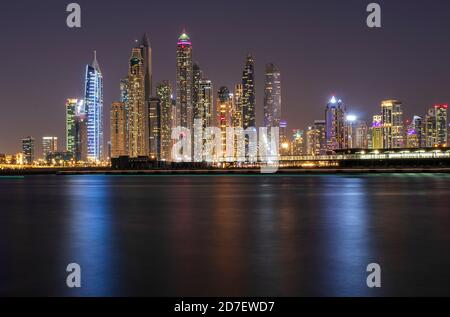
{"x":221,"y":172}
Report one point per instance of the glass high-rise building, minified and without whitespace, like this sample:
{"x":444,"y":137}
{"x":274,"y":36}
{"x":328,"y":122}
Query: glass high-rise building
{"x":361,"y":135}
{"x":249,"y":95}
{"x":81,"y":142}
{"x":335,"y":125}
{"x":28,"y":150}
{"x":185,"y":81}
{"x":272,"y":97}
{"x":147,"y":67}
{"x":154,"y":124}
{"x":298,"y":138}
{"x":205,"y":102}
{"x":49,"y":145}
{"x":316,"y":139}
{"x":238,"y":117}
{"x":224,"y":107}
{"x":430,"y":128}
{"x":321,"y":127}
{"x":197,"y":77}
{"x":73,"y":108}
{"x":441,"y":125}
{"x":393,"y":126}
{"x":415,"y":137}
{"x":94,"y":110}
{"x":118,"y":125}
{"x":164,"y":94}
{"x":377,"y":132}
{"x":137,"y":107}
{"x":436,"y":133}
{"x":398,"y":126}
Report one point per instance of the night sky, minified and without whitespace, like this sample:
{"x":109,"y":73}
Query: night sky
{"x":322,"y":47}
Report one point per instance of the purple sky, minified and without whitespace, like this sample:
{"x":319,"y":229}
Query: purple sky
{"x":322,"y":47}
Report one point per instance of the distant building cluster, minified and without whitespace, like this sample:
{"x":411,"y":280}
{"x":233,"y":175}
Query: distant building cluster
{"x":388,"y":130}
{"x":84,"y":130}
{"x":142,"y":121}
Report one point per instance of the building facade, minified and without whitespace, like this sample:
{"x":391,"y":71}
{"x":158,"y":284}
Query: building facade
{"x":272,"y":97}
{"x":28,"y":150}
{"x":49,"y":145}
{"x":81,"y":140}
{"x":154,"y":123}
{"x":377,"y":132}
{"x":249,"y":94}
{"x":393,"y":125}
{"x":224,"y":107}
{"x":94,"y":110}
{"x":335,"y":125}
{"x":118,"y":123}
{"x":164,"y":94}
{"x":441,"y":125}
{"x":185,"y":81}
{"x":137,"y":107}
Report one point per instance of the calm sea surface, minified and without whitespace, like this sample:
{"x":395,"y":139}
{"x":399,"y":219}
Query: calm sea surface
{"x":225,"y":235}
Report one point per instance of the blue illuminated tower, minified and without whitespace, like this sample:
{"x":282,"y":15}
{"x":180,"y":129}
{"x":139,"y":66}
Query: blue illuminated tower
{"x":94,"y":111}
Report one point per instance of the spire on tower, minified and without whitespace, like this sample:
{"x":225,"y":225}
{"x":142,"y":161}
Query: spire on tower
{"x":95,"y":62}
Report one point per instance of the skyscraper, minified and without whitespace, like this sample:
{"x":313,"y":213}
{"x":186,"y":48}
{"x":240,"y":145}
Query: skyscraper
{"x":377,"y":132}
{"x":350,"y":132}
{"x":393,"y":127}
{"x":154,"y":124}
{"x":316,"y":139}
{"x":238,"y":117}
{"x":205,"y":102}
{"x":284,"y":140}
{"x":147,"y":67}
{"x":312,"y":141}
{"x":118,"y":124}
{"x":28,"y":150}
{"x":94,"y":110}
{"x":321,"y":127}
{"x":71,"y":108}
{"x":398,"y":126}
{"x":361,"y":135}
{"x":335,"y":125}
{"x":419,"y":128}
{"x":436,"y":126}
{"x":224,"y":112}
{"x":197,"y":77}
{"x":441,"y":125}
{"x":49,"y":145}
{"x":249,"y":95}
{"x":81,"y":143}
{"x":297,"y":147}
{"x":415,"y":137}
{"x":164,"y":93}
{"x":272,"y":97}
{"x":430,"y":128}
{"x":137,"y":107}
{"x":185,"y":81}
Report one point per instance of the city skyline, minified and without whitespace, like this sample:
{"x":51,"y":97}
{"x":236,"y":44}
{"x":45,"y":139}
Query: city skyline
{"x":140,"y":121}
{"x":303,"y":91}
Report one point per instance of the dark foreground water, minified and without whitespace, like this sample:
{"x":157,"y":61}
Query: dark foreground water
{"x":225,"y":236}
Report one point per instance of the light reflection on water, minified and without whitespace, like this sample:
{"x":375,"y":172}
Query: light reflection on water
{"x":91,"y":237}
{"x":225,"y":235}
